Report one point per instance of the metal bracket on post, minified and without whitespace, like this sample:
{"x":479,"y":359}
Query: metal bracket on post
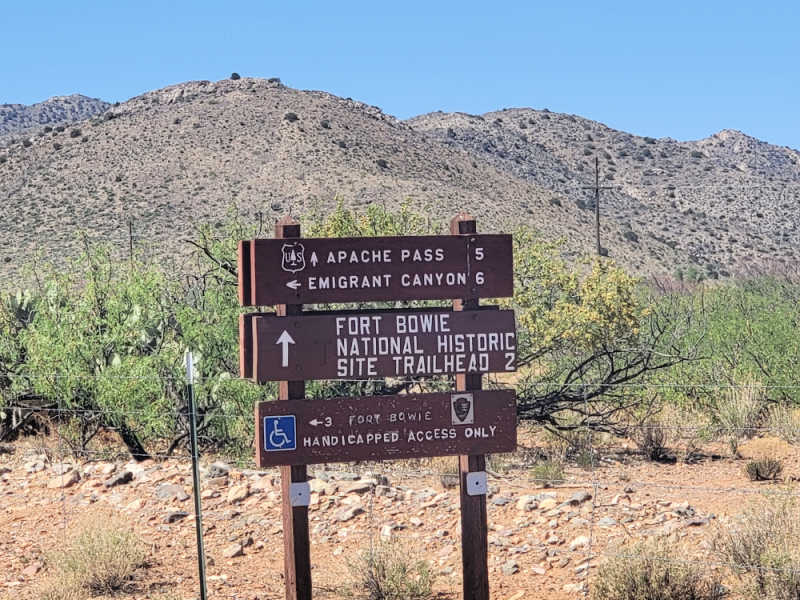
{"x":477,"y":484}
{"x":300,"y":493}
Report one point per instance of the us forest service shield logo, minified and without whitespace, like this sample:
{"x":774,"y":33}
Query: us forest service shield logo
{"x":462,"y":409}
{"x":293,"y":259}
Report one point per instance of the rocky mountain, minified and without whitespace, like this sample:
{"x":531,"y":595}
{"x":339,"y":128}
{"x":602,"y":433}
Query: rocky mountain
{"x":189,"y":153}
{"x":20,"y":120}
{"x":725,"y":204}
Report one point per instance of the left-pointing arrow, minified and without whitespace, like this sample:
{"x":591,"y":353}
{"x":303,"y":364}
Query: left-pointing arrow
{"x":285,"y":339}
{"x":294,"y":284}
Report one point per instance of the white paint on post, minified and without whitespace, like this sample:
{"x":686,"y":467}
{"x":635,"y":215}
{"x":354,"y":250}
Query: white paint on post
{"x":189,"y":368}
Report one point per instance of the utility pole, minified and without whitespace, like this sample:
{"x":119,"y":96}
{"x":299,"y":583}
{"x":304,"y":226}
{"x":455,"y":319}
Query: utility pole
{"x":597,"y":187}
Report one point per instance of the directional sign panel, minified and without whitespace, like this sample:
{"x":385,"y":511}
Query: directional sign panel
{"x":326,"y":270}
{"x":373,"y":344}
{"x":299,"y":432}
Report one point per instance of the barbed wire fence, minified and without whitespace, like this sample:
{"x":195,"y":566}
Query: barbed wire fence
{"x":600,"y":464}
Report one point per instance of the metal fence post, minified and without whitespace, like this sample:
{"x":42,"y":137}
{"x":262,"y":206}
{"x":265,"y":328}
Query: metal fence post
{"x":198,"y":517}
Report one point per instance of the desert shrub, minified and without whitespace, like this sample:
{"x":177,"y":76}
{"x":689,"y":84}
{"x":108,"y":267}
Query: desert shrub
{"x":381,"y":162}
{"x":761,"y":548}
{"x":764,"y":469}
{"x":100,"y":558}
{"x":697,"y":154}
{"x":27,"y":143}
{"x":652,"y":439}
{"x":737,"y":414}
{"x":548,"y":472}
{"x":75,"y":133}
{"x":60,"y":128}
{"x":291,"y":117}
{"x":631,"y":236}
{"x":652,"y":570}
{"x":3,"y":158}
{"x":56,"y":146}
{"x":325,"y":124}
{"x":274,"y":80}
{"x":235,"y":76}
{"x":388,"y":572}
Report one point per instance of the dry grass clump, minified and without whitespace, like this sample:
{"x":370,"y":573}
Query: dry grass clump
{"x":738,"y":412}
{"x":762,"y":548}
{"x":386,"y":571}
{"x":652,"y":570}
{"x":784,"y":422}
{"x":100,"y":558}
{"x":548,"y":473}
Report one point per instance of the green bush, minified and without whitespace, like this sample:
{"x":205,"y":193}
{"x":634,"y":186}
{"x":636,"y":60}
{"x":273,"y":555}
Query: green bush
{"x":652,"y":570}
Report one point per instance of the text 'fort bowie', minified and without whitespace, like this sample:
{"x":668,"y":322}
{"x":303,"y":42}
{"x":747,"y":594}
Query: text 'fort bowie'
{"x":362,"y":339}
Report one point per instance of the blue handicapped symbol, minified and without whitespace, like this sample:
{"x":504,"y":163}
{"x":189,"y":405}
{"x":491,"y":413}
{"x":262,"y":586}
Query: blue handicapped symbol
{"x":280,"y":433}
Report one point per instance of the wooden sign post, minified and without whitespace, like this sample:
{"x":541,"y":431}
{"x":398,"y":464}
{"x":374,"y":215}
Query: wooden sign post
{"x":474,"y":524}
{"x":292,"y":345}
{"x":296,"y":543}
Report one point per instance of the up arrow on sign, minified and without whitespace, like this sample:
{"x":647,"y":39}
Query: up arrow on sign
{"x":285,"y":340}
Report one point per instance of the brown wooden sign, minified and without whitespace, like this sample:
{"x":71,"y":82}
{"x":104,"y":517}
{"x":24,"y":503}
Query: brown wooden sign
{"x":372,"y":344}
{"x":385,"y":427}
{"x":291,"y":346}
{"x":328,"y":270}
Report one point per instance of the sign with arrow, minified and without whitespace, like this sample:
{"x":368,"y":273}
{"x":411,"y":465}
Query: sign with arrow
{"x":284,"y":340}
{"x":385,"y":427}
{"x":372,"y":344}
{"x":326,"y":270}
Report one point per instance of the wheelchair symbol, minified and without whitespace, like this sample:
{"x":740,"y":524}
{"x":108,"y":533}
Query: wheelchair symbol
{"x":280,"y":433}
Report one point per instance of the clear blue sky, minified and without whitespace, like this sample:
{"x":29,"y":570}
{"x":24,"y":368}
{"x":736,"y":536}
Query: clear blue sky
{"x":679,"y":69}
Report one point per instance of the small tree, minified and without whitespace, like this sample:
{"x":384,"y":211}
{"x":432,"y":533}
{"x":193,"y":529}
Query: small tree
{"x":235,"y":76}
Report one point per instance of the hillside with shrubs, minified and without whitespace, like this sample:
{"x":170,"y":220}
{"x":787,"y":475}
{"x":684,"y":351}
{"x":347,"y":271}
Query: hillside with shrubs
{"x":169,"y":159}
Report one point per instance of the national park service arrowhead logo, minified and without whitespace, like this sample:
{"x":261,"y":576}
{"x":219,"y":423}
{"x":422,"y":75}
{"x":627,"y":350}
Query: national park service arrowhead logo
{"x":462,"y":409}
{"x":293,"y":259}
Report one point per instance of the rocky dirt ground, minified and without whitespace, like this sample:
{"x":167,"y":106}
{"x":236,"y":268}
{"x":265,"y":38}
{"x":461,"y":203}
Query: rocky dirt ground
{"x":540,"y":539}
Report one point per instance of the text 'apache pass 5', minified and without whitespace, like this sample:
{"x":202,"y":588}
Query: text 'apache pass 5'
{"x":325,"y":270}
